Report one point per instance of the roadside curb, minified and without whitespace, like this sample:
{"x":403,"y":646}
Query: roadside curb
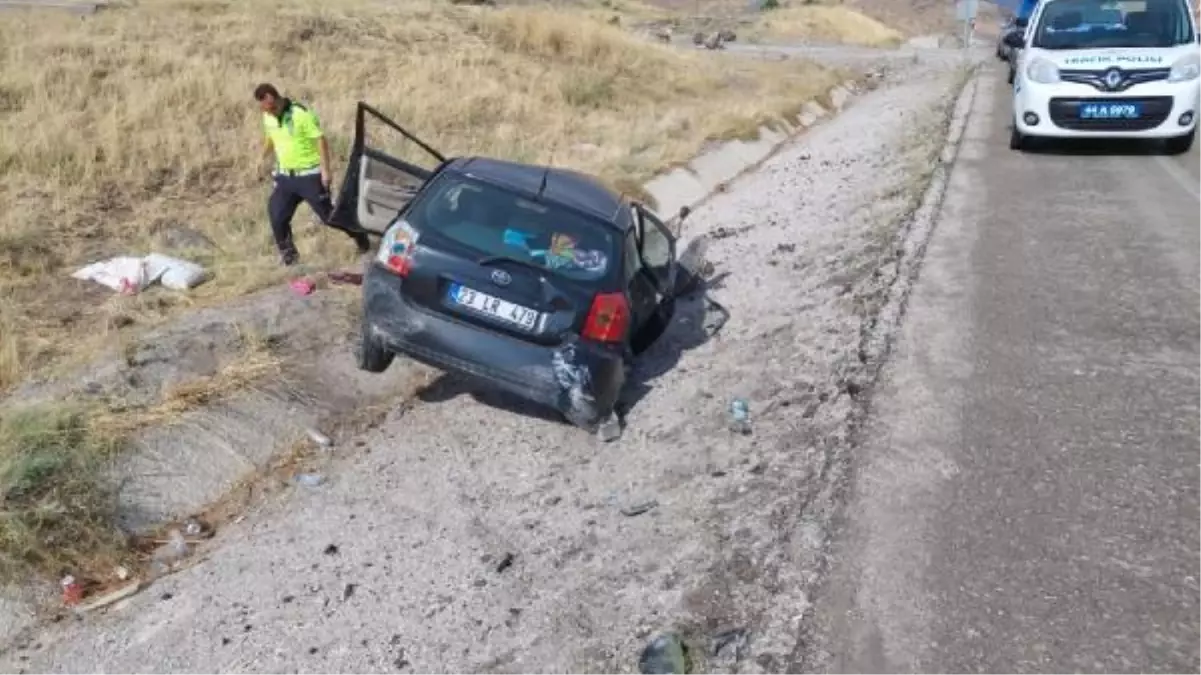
{"x":722,"y":162}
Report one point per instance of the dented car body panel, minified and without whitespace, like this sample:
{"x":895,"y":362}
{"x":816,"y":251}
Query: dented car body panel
{"x":576,"y":378}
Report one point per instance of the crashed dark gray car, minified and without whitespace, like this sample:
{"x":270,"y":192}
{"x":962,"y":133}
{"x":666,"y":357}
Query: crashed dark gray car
{"x":539,"y":281}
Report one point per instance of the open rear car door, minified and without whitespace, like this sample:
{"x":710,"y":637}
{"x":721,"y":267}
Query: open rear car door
{"x":379,"y":184}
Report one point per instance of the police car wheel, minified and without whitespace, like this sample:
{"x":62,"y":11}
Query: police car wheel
{"x":1180,"y":144}
{"x":1016,"y":140}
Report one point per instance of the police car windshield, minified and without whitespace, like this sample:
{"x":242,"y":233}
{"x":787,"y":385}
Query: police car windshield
{"x":495,"y":224}
{"x":1100,"y":24}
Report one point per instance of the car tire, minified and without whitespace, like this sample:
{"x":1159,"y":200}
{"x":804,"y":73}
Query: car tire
{"x":1017,"y":141}
{"x":373,"y":356}
{"x":1180,"y":144}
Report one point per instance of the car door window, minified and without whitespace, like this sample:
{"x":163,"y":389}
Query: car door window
{"x":633,"y":257}
{"x":657,"y":248}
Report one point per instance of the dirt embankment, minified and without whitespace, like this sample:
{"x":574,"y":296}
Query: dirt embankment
{"x":461,"y":536}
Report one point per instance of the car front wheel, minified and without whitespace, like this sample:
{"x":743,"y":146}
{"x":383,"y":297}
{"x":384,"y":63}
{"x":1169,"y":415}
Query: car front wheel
{"x":373,"y":356}
{"x":1017,"y":141}
{"x":1180,"y":144}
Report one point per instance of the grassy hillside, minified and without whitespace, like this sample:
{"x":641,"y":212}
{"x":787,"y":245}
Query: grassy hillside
{"x":138,"y":122}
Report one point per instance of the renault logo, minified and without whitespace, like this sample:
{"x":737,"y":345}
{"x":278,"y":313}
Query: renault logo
{"x":501,"y":278}
{"x":1113,"y":78}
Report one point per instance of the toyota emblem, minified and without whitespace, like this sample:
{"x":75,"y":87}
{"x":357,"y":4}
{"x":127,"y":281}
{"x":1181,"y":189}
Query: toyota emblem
{"x":501,"y":278}
{"x":1113,"y":78}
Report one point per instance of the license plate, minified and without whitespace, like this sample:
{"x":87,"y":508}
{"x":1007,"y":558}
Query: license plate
{"x":1110,"y":111}
{"x":492,"y":306}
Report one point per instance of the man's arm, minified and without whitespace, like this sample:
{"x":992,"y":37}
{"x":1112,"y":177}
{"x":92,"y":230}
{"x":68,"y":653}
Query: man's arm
{"x":323,"y":149}
{"x":314,"y":131}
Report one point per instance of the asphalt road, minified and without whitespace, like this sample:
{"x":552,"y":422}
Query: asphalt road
{"x":1027,"y":495}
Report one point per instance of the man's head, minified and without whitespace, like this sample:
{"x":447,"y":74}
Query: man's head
{"x":268,"y":97}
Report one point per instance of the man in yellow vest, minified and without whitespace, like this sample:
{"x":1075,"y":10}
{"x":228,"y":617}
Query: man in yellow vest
{"x":302,"y":168}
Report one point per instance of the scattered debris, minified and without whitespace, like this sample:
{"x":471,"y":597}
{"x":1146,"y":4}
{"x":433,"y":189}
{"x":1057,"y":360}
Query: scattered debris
{"x":173,"y":551}
{"x":736,"y":638}
{"x":348,"y":591}
{"x":740,"y":416}
{"x":714,"y":41}
{"x":319,"y":438}
{"x":122,"y":572}
{"x":332,"y":549}
{"x":351,"y":278}
{"x":665,"y":654}
{"x":310,"y":479}
{"x":506,"y":561}
{"x":727,"y":35}
{"x":639,"y":508}
{"x":198,"y":529}
{"x":112,"y":598}
{"x":72,"y":590}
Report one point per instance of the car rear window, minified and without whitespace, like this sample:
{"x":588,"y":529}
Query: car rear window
{"x":495,"y":222}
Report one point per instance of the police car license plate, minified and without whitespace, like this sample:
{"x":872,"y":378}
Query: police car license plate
{"x":1110,"y":111}
{"x":493,"y":306}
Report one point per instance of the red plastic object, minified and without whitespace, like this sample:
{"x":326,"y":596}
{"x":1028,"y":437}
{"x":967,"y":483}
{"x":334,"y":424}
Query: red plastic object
{"x":301,"y":286}
{"x":72,"y":591}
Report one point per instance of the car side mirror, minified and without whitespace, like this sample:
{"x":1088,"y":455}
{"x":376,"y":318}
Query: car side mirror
{"x":1021,"y":23}
{"x":1015,"y":40}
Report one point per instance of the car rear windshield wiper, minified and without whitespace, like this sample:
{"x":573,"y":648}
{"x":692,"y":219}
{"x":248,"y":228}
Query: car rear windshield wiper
{"x":493,"y":259}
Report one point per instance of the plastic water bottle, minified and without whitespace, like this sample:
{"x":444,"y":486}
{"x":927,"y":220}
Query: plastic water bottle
{"x":664,"y":655}
{"x":740,"y":416}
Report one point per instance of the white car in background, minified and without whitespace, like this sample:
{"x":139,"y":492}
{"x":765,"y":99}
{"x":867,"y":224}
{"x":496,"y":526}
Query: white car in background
{"x":1108,"y":69}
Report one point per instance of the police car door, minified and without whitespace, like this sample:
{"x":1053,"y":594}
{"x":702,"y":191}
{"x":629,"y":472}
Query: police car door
{"x":378,"y":183}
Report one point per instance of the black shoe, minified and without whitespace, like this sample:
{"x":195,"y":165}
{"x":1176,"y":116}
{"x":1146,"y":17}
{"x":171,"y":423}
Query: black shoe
{"x":289,"y":258}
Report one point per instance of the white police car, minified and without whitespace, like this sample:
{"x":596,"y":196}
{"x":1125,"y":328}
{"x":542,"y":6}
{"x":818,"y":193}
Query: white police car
{"x":1108,"y":69}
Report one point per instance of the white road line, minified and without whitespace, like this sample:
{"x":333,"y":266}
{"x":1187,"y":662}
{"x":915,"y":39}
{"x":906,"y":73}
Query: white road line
{"x":1182,"y":178}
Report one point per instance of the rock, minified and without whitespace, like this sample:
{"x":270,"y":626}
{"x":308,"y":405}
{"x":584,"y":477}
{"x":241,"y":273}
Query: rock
{"x":505,"y":563}
{"x":639,"y":508}
{"x":727,"y":35}
{"x":714,"y":41}
{"x":177,"y":236}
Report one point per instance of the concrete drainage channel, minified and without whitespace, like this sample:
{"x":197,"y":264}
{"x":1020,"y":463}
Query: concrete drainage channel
{"x":708,"y":173}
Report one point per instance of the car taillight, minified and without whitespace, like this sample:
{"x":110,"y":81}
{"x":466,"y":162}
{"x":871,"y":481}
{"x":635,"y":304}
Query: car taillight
{"x":608,"y":318}
{"x":397,"y":247}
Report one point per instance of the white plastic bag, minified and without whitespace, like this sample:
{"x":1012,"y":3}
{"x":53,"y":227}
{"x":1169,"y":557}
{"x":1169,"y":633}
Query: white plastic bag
{"x":178,"y":275}
{"x":124,"y":274}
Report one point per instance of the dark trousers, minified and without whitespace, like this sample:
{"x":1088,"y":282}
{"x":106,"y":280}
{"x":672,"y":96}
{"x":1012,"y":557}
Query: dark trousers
{"x":288,"y":193}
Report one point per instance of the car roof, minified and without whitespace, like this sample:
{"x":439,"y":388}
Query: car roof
{"x":562,"y":186}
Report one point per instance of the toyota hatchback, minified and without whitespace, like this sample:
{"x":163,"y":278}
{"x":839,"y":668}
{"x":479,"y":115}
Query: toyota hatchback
{"x":537,"y":280}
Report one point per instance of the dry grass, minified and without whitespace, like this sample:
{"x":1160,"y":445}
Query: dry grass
{"x":56,"y":518}
{"x":140,"y":118}
{"x":825,"y":23}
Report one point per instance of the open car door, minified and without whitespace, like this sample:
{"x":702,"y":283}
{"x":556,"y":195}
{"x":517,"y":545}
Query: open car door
{"x":379,"y":184}
{"x":657,"y":246}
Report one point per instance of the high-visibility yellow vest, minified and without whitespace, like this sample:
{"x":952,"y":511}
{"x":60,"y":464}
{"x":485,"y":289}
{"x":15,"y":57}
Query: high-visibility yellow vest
{"x":294,"y":135}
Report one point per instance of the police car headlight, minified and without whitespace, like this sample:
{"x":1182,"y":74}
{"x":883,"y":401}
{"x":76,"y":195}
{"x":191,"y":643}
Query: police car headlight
{"x":1186,"y":68}
{"x":1042,"y":71}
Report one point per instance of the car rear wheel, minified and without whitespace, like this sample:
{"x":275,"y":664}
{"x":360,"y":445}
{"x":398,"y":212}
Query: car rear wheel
{"x":1180,"y":144}
{"x":373,"y":356}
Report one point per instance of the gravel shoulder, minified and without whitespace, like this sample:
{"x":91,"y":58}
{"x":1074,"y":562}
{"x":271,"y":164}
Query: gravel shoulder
{"x":456,"y":537}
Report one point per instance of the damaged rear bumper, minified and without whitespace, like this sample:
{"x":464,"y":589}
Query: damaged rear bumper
{"x":581,"y":380}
